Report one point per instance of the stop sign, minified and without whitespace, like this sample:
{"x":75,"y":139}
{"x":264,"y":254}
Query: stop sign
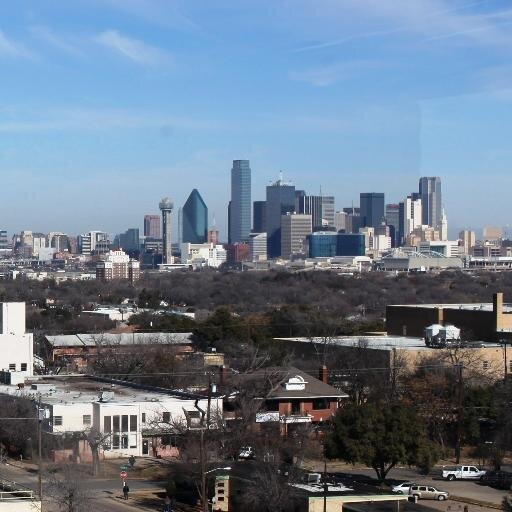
{"x":123,"y":474}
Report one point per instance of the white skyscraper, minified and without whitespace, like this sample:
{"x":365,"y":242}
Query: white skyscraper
{"x":443,"y":229}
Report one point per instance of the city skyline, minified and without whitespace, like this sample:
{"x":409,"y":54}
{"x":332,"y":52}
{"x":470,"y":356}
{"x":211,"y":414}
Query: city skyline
{"x":126,"y":88}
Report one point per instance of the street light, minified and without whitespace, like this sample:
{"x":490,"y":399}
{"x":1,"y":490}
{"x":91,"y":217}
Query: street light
{"x":218,"y":469}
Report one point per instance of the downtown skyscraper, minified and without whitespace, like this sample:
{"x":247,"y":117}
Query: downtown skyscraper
{"x":240,"y":205}
{"x":371,"y":209}
{"x":194,"y":218}
{"x":280,"y":201}
{"x":431,"y":201}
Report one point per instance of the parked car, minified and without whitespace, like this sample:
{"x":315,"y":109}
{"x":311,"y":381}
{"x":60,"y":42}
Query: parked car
{"x":427,"y":492}
{"x":246,"y":453}
{"x":497,"y":479}
{"x":402,"y":488}
{"x":463,"y":473}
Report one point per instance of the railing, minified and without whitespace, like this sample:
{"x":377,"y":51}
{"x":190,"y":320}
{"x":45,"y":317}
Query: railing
{"x":10,"y":490}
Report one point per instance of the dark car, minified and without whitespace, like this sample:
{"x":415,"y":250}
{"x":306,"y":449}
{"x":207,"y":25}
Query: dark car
{"x":498,"y":479}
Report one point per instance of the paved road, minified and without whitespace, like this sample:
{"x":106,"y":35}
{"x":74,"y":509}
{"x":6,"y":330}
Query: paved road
{"x":105,"y":493}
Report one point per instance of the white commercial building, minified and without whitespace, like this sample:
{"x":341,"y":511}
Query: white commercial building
{"x":203,"y":255}
{"x":412,"y":214}
{"x":131,"y":419}
{"x":448,"y":248}
{"x":16,"y":345}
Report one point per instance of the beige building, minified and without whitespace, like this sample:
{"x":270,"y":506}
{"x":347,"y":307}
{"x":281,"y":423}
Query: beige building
{"x":467,"y":240}
{"x":295,"y":227}
{"x":405,"y":352}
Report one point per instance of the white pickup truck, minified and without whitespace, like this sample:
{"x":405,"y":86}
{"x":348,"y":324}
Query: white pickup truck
{"x":463,"y":473}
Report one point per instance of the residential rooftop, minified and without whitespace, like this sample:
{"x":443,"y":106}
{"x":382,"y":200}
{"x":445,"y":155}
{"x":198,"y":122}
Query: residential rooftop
{"x":139,"y":338}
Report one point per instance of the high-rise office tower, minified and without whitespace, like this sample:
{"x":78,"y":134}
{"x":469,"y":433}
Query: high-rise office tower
{"x":166,"y":207}
{"x":295,"y":227}
{"x":371,"y":209}
{"x":152,"y":226}
{"x":321,"y":209}
{"x":194,"y":219}
{"x":240,"y":209}
{"x":410,"y":215}
{"x":128,"y":241}
{"x":430,"y":193}
{"x":280,"y":201}
{"x":259,"y":216}
{"x":340,"y":221}
{"x":393,"y":221}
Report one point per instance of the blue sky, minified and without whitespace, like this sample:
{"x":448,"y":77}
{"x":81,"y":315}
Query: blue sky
{"x":108,"y":105}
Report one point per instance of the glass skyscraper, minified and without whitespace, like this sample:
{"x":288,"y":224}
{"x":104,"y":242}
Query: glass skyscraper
{"x":241,"y":205}
{"x":194,"y":215}
{"x":371,"y":209}
{"x":430,"y":193}
{"x":280,"y":201}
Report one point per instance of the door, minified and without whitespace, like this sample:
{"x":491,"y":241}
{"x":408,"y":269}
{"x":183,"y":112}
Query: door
{"x":430,"y":493}
{"x":145,"y":447}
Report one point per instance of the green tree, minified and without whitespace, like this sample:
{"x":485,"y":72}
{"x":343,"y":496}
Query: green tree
{"x":378,"y":435}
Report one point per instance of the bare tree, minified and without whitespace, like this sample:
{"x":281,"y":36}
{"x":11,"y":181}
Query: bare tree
{"x":65,"y":488}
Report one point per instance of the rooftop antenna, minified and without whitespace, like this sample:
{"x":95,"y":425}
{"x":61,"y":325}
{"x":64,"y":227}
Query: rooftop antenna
{"x":320,"y":189}
{"x":213,"y":220}
{"x":281,"y":176}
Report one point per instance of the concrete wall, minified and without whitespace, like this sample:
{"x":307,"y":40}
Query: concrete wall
{"x":20,"y":506}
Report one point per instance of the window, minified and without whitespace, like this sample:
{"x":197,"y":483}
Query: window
{"x":116,"y":423}
{"x":272,"y":406}
{"x":143,"y":419}
{"x":133,"y":423}
{"x":57,"y":421}
{"x":124,"y":423}
{"x":23,"y":367}
{"x":485,"y":365}
{"x":86,"y":419}
{"x":12,"y":367}
{"x":220,"y":498}
{"x":320,"y":403}
{"x":115,"y":441}
{"x":166,"y":417}
{"x":107,"y":424}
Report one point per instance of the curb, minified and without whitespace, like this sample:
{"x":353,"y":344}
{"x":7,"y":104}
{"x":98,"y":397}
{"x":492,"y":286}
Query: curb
{"x":472,"y":501}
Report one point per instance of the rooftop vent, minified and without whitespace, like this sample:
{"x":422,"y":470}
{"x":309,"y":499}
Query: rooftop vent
{"x":106,"y":396}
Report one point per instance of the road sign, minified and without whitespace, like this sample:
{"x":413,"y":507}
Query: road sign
{"x":123,"y":475}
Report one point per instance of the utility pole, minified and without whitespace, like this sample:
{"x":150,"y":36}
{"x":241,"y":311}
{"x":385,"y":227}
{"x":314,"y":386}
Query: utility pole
{"x":39,"y":449}
{"x":460,"y":411}
{"x":202,"y":457}
{"x":326,"y":487}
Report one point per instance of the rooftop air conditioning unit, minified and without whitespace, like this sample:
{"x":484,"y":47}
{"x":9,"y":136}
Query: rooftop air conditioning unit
{"x":106,"y":396}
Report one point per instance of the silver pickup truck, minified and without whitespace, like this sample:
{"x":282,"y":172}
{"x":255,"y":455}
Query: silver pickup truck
{"x":463,"y":473}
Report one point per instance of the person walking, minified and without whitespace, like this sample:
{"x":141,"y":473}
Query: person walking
{"x":167,"y":504}
{"x":126,"y":490}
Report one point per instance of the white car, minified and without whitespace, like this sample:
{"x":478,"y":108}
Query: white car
{"x":246,"y":453}
{"x":402,"y":488}
{"x":463,"y":473}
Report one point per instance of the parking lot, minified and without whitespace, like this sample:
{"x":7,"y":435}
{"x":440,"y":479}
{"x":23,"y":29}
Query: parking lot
{"x":470,"y":490}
